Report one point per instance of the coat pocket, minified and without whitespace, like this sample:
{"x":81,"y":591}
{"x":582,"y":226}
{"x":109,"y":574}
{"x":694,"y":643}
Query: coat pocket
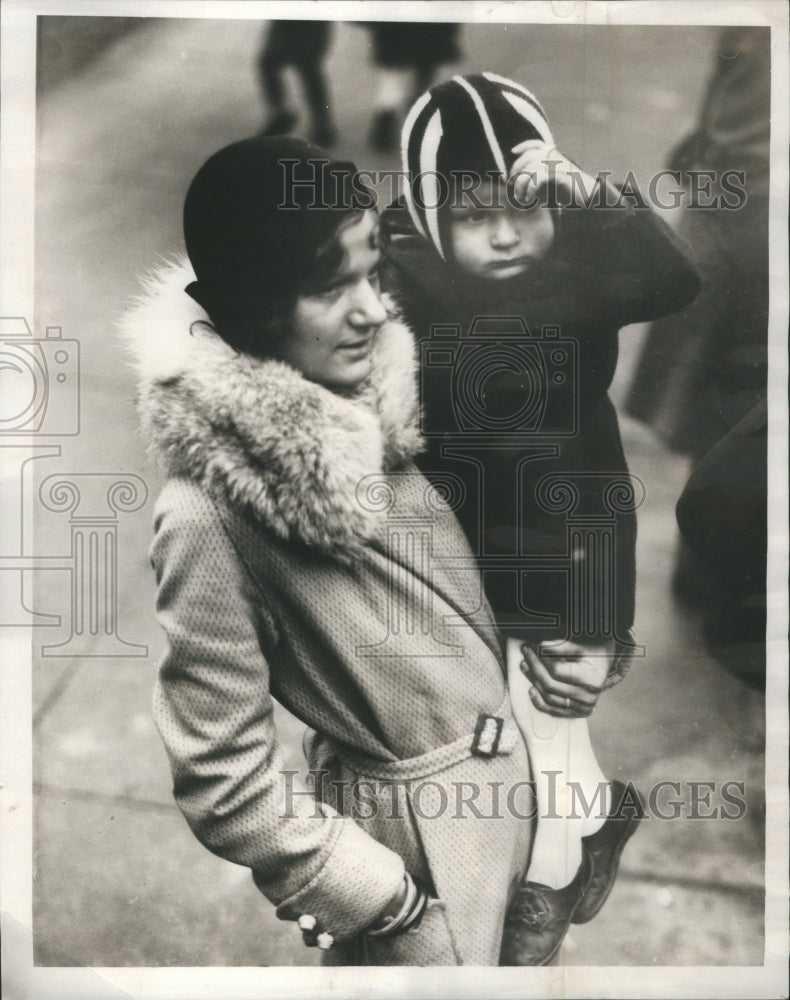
{"x":429,"y":944}
{"x":457,"y":830}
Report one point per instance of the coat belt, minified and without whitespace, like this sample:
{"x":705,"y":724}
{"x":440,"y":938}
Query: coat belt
{"x":495,"y":734}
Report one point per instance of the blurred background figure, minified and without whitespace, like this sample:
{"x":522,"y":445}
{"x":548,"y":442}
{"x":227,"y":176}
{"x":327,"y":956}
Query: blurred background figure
{"x":722,"y":518}
{"x":407,"y":57}
{"x":301,"y":45}
{"x":704,"y":369}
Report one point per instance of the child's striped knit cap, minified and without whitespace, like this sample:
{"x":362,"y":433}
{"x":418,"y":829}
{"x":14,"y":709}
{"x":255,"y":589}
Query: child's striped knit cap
{"x":470,"y":124}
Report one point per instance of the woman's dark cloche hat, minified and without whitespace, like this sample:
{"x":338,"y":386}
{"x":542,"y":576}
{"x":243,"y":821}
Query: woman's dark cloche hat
{"x":254,"y":216}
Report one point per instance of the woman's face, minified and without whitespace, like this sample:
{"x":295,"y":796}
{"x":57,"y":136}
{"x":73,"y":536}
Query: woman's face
{"x":332,"y":330}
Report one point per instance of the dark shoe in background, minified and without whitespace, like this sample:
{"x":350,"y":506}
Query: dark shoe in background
{"x":281,"y":123}
{"x":324,"y":135}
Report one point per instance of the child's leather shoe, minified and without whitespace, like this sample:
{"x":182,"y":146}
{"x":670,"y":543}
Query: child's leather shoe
{"x":605,"y":846}
{"x":538,"y":919}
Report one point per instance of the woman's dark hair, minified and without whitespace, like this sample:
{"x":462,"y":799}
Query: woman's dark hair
{"x":262,"y":334}
{"x":262,"y":219}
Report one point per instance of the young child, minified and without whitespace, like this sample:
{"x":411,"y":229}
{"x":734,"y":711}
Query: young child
{"x":516,"y":279}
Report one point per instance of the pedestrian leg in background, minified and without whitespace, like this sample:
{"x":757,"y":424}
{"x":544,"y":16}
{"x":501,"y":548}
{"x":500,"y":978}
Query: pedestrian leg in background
{"x":301,"y":45}
{"x":406,"y":56}
{"x":271,"y":69}
{"x":394,"y":85}
{"x":324,"y":132}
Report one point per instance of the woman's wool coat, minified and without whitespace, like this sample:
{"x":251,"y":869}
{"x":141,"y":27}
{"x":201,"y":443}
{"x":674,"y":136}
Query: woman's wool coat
{"x":300,"y":555}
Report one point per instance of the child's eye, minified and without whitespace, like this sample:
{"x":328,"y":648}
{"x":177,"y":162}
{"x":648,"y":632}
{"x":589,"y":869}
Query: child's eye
{"x":473,"y":218}
{"x":374,"y":277}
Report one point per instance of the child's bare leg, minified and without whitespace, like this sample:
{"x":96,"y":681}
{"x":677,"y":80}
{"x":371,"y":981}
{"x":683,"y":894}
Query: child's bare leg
{"x":560,"y":752}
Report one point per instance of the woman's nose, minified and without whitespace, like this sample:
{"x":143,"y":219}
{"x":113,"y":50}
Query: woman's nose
{"x":367,"y":308}
{"x":504,"y":235}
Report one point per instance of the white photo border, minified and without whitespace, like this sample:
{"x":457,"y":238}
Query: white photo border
{"x":17,"y":141}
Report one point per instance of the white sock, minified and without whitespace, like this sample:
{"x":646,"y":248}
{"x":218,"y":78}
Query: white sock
{"x":560,"y":752}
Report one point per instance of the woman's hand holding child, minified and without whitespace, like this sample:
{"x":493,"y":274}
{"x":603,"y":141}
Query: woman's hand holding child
{"x":567,"y":676}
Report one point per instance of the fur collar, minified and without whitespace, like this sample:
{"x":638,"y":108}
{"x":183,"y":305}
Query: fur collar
{"x":260,"y":435}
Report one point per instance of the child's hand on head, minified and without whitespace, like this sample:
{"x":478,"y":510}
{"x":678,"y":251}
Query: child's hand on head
{"x":533,"y":167}
{"x":538,"y":164}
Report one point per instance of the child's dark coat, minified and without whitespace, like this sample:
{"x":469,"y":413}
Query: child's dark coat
{"x":606,"y":269}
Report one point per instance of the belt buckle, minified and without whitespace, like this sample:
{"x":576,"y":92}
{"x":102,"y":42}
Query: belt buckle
{"x":488,"y":733}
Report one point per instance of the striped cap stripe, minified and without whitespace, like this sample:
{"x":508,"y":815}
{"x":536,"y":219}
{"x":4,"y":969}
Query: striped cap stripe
{"x":407,"y":159}
{"x":520,"y":89}
{"x":506,"y":81}
{"x":488,"y":128}
{"x":429,"y":183}
{"x":530,"y":113}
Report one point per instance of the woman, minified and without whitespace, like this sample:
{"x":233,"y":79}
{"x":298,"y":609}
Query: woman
{"x":300,"y":555}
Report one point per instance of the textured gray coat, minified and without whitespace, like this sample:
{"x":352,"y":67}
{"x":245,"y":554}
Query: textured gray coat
{"x":299,"y":554}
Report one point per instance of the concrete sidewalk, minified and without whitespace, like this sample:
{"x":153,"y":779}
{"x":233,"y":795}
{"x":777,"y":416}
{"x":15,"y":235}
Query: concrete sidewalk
{"x":120,"y":880}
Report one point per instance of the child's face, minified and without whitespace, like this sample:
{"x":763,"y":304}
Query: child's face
{"x":501,"y":241}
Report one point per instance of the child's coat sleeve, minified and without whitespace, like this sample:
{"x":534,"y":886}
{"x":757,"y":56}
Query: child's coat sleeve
{"x":638,"y":268}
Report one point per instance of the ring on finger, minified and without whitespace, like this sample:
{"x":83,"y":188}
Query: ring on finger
{"x":567,"y":703}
